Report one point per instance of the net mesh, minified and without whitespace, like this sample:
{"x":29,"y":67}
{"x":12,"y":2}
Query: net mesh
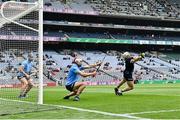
{"x":18,"y":39}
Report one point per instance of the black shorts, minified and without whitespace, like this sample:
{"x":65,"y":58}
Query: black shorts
{"x":70,"y":87}
{"x":128,"y":76}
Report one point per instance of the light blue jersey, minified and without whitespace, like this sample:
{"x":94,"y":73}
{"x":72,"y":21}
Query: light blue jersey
{"x":27,"y":65}
{"x":73,"y":75}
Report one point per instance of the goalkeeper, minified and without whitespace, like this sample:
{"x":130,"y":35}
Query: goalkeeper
{"x":24,"y":76}
{"x":127,"y":74}
{"x":75,"y":72}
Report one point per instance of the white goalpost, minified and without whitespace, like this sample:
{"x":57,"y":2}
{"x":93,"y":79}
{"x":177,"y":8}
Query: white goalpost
{"x":21,"y":34}
{"x":40,"y":95}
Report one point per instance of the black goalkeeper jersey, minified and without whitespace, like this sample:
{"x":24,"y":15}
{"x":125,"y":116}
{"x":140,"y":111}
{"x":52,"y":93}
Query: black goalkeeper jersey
{"x":129,"y":67}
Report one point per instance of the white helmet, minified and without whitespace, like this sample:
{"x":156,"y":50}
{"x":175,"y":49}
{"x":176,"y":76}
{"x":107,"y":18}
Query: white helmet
{"x":30,"y":57}
{"x":126,"y":55}
{"x":78,"y":61}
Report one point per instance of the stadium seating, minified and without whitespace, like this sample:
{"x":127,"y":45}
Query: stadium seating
{"x":108,"y":35}
{"x":148,"y":69}
{"x":151,"y":68}
{"x":150,"y":8}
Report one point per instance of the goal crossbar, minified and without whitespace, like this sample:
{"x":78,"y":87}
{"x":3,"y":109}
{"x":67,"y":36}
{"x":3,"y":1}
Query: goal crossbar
{"x":34,"y":7}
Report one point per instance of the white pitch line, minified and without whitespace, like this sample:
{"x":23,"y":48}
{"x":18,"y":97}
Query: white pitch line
{"x":83,"y":110}
{"x":149,"y":112}
{"x":126,"y":115}
{"x":99,"y":112}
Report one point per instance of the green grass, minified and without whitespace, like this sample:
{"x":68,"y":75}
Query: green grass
{"x":149,"y":97}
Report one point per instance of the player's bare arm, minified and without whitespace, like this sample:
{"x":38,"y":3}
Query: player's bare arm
{"x":140,"y":57}
{"x":84,"y":74}
{"x":92,"y":65}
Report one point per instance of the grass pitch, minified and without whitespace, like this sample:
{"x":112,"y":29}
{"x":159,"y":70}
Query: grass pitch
{"x":153,"y":101}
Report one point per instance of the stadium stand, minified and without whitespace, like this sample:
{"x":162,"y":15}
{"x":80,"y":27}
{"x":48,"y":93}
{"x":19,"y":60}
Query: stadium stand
{"x":56,"y":64}
{"x":144,"y":70}
{"x":107,"y":35}
{"x":150,"y":8}
{"x":12,"y":30}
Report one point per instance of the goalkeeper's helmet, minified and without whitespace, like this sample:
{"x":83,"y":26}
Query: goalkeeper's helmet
{"x":30,"y":57}
{"x":126,"y":55}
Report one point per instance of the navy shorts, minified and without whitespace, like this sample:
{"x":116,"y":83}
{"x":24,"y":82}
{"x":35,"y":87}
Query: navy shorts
{"x":70,"y":87}
{"x":20,"y":77}
{"x":128,"y":76}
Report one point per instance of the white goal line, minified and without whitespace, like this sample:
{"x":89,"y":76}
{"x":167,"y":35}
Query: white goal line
{"x":78,"y":109}
{"x":125,"y":115}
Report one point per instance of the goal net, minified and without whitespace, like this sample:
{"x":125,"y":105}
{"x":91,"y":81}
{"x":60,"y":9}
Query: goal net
{"x":19,"y":40}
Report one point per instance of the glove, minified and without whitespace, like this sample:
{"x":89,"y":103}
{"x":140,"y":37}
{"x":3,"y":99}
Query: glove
{"x":142,"y":55}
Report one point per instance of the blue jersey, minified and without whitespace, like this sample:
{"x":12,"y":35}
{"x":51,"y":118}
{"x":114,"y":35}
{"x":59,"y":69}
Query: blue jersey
{"x":27,"y":65}
{"x":73,"y":75}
